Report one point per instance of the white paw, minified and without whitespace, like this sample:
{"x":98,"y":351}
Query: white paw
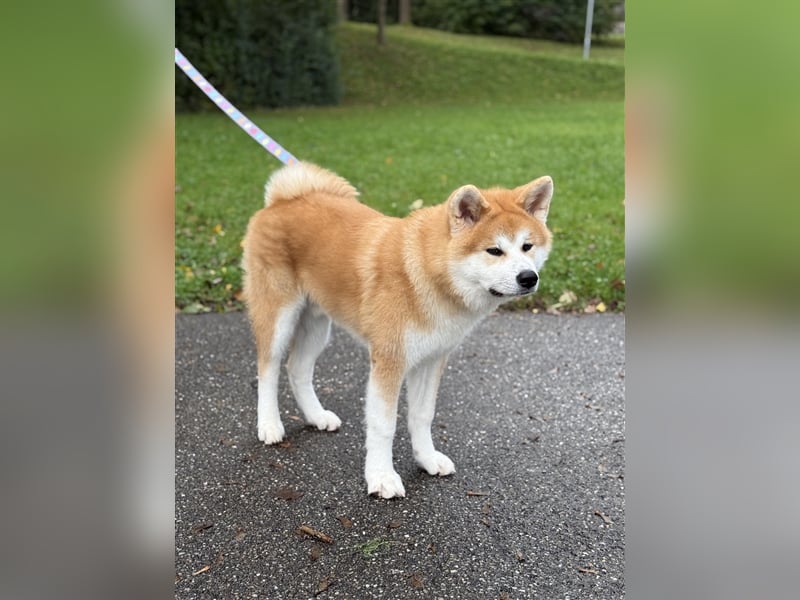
{"x":436,"y":463}
{"x":326,"y":421}
{"x":387,"y":484}
{"x":270,"y":432}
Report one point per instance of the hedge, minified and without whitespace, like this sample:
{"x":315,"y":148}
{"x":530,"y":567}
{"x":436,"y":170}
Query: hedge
{"x":560,"y":20}
{"x":258,"y":53}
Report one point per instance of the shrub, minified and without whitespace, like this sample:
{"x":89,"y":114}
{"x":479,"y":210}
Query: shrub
{"x":265,"y":53}
{"x":560,"y":20}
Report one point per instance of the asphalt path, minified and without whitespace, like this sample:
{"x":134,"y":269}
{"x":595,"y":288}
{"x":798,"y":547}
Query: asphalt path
{"x":530,"y":409}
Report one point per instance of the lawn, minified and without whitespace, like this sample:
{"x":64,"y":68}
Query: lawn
{"x":427,"y":113}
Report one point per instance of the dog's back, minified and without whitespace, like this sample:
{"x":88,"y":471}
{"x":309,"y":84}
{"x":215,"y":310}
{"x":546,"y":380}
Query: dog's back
{"x":311,"y":240}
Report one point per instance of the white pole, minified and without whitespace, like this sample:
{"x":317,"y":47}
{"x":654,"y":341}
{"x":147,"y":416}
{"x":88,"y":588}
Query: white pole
{"x":587,"y":36}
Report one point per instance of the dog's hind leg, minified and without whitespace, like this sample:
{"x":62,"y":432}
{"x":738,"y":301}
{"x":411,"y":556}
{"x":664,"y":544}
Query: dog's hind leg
{"x":310,"y":338}
{"x":422,"y":384}
{"x":273,"y":328}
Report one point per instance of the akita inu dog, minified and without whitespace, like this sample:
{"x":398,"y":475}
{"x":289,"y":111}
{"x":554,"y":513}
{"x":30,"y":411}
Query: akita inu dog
{"x":410,"y":289}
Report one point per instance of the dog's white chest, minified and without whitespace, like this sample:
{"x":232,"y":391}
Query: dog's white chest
{"x":448,"y":333}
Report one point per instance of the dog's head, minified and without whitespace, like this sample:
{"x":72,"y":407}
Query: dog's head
{"x":498,"y":241}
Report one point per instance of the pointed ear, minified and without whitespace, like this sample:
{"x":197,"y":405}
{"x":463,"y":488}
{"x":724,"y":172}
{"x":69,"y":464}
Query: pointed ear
{"x":464,"y":207}
{"x":535,"y":197}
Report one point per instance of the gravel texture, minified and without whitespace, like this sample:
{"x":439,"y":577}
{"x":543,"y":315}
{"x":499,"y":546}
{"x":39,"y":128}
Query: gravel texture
{"x":531,"y":410}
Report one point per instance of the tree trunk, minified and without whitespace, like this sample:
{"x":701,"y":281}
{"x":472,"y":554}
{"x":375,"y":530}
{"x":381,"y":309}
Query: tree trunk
{"x":381,"y":22}
{"x":341,"y":9}
{"x":405,"y":12}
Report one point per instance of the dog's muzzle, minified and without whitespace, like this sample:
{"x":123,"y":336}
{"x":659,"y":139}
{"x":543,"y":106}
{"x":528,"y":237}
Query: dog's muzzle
{"x":527,"y":282}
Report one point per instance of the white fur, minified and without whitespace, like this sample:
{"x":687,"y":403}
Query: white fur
{"x":310,"y":338}
{"x":270,"y":427}
{"x":422,"y":384}
{"x":310,"y":328}
{"x":480,"y":272}
{"x":381,"y":419}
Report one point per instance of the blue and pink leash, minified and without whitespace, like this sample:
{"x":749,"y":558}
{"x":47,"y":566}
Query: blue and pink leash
{"x":250,"y":128}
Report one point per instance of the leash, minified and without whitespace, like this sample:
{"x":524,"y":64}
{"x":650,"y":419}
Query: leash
{"x":229,"y":109}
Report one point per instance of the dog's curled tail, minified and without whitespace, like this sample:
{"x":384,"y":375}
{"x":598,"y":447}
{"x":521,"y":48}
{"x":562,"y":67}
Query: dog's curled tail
{"x":301,"y":178}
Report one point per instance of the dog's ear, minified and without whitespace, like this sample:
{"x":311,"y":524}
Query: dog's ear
{"x":464,"y":207}
{"x":535,"y":197}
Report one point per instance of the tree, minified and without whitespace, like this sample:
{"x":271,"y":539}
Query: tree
{"x":404,"y":12}
{"x":381,"y":22}
{"x":341,"y":9}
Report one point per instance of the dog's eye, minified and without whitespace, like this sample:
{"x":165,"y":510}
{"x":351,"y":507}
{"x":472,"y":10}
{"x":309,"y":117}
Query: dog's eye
{"x":526,"y":247}
{"x":495,"y":251}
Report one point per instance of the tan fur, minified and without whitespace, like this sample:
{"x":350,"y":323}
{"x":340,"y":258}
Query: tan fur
{"x":382,"y":278}
{"x":373,"y":274}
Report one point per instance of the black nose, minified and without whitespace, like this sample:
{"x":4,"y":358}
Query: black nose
{"x":527,"y":279}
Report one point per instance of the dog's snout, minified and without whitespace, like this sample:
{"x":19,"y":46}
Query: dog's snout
{"x":527,"y":279}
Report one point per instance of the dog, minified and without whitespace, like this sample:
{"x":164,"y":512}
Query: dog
{"x":410,"y":289}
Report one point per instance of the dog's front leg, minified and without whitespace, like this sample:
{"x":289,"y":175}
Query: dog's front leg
{"x":385,"y":379}
{"x":422,"y":385}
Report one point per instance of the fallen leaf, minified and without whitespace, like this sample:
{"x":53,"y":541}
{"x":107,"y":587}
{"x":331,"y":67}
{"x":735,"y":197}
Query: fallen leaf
{"x":416,"y":204}
{"x":202,"y":570}
{"x":295,"y":418}
{"x":394,"y":524}
{"x":315,"y":552}
{"x":601,"y":307}
{"x":240,"y":533}
{"x":288,"y":493}
{"x":275,"y":465}
{"x":567,"y":297}
{"x":486,"y":509}
{"x":323,"y":537}
{"x":285,"y":444}
{"x":202,"y":527}
{"x":520,"y":556}
{"x":415,"y":581}
{"x":588,"y":569}
{"x":195,"y":308}
{"x":504,"y":596}
{"x":471,"y":493}
{"x":603,"y":516}
{"x":324,"y":585}
{"x":346,"y":523}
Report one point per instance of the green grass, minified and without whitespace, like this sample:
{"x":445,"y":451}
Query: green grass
{"x":427,"y":67}
{"x":608,"y":48}
{"x":370,"y":547}
{"x":428,"y":113}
